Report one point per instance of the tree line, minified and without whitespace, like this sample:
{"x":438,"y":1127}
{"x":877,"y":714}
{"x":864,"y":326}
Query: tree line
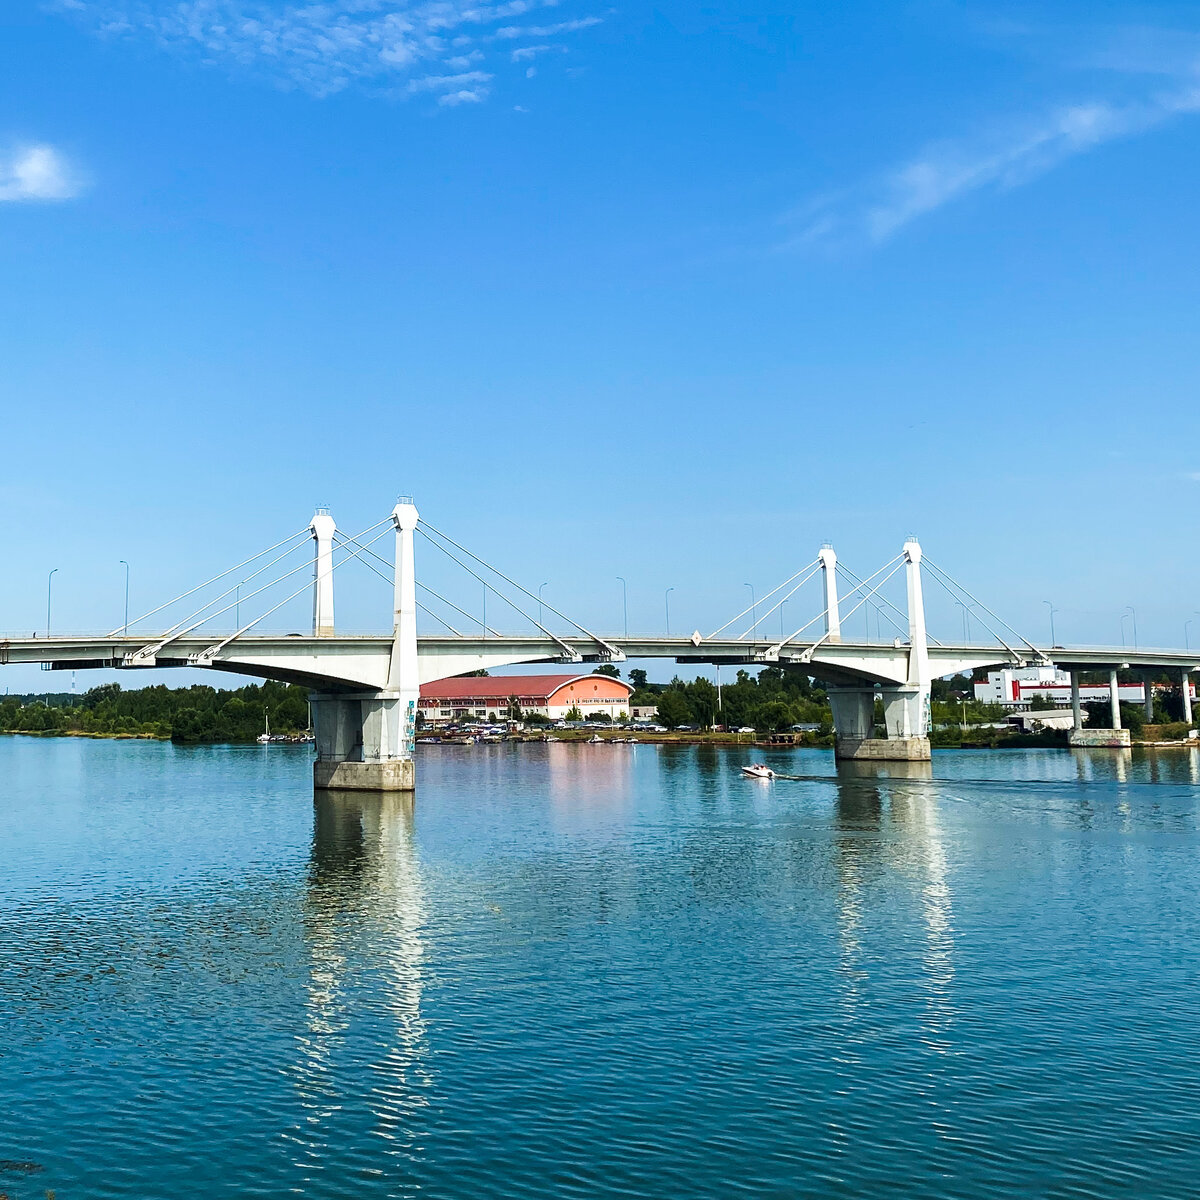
{"x":192,"y":714}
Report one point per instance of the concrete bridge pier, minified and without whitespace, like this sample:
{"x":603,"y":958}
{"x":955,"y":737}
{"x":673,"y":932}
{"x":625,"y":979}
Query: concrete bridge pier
{"x":365,"y":741}
{"x":1185,"y":681}
{"x":1114,"y":737}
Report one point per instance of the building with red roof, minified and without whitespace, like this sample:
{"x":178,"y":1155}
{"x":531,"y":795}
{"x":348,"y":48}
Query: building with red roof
{"x":553,"y":696}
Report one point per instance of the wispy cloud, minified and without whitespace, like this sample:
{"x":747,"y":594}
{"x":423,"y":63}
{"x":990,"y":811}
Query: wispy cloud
{"x":326,"y":46}
{"x":34,"y":173}
{"x":1000,"y":158}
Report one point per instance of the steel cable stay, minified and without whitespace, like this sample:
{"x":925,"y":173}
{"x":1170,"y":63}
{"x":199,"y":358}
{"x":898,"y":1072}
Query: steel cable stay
{"x":752,"y":629}
{"x":390,"y":581}
{"x":207,"y":655}
{"x":902,"y":630}
{"x":207,"y":582}
{"x":895,"y":564}
{"x":611,"y":649}
{"x":176,"y":631}
{"x":952,"y":582}
{"x":941,"y":583}
{"x":750,"y":607}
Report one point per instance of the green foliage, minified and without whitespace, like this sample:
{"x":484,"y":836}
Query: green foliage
{"x":609,"y":670}
{"x":195,"y":714}
{"x":637,"y":677}
{"x":573,"y":714}
{"x":673,"y":708}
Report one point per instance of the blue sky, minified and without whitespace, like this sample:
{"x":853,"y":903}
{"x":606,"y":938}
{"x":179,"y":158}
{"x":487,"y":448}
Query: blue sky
{"x":611,"y":290}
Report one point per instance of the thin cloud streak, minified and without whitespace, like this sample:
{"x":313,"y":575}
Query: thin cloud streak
{"x":37,"y":173}
{"x":949,"y":171}
{"x":325,"y":48}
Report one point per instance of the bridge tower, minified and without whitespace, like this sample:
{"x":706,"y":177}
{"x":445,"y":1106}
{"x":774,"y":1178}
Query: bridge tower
{"x":906,"y":707}
{"x":323,"y":528}
{"x":365,"y":740}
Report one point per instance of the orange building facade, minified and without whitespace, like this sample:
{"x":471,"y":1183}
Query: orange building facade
{"x":551,"y":696}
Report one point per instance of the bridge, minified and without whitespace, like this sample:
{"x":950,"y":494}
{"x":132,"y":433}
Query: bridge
{"x":365,"y":689}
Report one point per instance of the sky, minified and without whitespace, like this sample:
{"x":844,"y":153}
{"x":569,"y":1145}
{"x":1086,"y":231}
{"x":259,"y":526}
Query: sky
{"x":673,"y":293}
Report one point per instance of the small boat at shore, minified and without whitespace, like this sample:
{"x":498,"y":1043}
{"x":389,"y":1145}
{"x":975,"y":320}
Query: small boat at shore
{"x":758,"y":771}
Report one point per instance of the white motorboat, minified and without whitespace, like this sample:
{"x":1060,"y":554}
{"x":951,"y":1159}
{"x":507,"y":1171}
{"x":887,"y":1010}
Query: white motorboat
{"x":758,"y":771}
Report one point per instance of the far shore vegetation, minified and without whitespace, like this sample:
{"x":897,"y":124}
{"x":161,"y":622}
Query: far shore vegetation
{"x":770,"y":703}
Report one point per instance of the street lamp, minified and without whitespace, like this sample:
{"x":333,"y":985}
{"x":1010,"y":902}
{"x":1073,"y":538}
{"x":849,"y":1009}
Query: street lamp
{"x":1132,"y":612}
{"x":782,"y":606}
{"x":625,"y":604}
{"x":667,"y":605}
{"x":126,"y":566}
{"x":49,"y":581}
{"x":753,"y":612}
{"x":1053,"y":610}
{"x":540,"y":586}
{"x":1186,"y":643}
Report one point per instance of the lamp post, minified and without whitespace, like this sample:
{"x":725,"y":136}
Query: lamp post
{"x":1131,"y":612}
{"x":540,"y":586}
{"x":667,"y":606}
{"x":966,"y":622}
{"x":237,"y":606}
{"x":625,"y":604}
{"x":782,"y":606}
{"x":1186,"y":643}
{"x":753,"y":613}
{"x":126,"y":566}
{"x":49,"y":581}
{"x":1053,"y":610}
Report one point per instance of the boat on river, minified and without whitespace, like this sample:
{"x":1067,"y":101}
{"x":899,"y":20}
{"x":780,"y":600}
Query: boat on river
{"x":758,"y":771}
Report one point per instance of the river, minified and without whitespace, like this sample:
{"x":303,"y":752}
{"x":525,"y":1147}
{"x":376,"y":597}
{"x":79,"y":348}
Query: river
{"x":597,"y":971}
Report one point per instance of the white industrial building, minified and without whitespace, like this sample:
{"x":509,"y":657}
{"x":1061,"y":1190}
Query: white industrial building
{"x":1017,"y":688}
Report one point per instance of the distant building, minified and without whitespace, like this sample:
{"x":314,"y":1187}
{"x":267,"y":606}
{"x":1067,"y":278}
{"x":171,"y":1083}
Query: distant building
{"x":1017,"y":687}
{"x":553,"y":696}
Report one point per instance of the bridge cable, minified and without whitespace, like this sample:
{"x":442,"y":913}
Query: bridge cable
{"x":987,"y":610}
{"x":391,"y":583}
{"x":815,"y":562}
{"x":902,"y":630}
{"x":199,"y":586}
{"x":777,"y":646}
{"x":208,"y":654}
{"x":752,"y":629}
{"x":175,"y":632}
{"x":525,"y":591}
{"x":979,"y":603}
{"x":170,"y":634}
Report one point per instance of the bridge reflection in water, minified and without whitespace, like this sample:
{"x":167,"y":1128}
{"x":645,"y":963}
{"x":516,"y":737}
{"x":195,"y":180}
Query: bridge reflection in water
{"x":363,"y":916}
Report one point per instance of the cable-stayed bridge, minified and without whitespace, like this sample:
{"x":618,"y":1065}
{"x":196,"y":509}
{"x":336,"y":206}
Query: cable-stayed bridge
{"x":366,"y":688}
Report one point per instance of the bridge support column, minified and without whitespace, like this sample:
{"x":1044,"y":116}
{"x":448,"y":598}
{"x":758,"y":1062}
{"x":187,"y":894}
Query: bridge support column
{"x":1115,"y":737}
{"x":362,"y":743}
{"x":1149,"y":699}
{"x":1076,"y":707}
{"x":1185,"y":679}
{"x":365,"y":742}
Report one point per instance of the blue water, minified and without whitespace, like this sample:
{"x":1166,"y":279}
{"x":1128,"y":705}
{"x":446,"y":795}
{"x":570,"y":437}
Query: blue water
{"x":597,"y":971}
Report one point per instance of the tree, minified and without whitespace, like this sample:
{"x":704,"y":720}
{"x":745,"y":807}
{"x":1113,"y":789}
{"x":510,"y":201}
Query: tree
{"x":609,"y":670}
{"x":673,"y":708}
{"x":514,"y":709}
{"x":773,"y":717}
{"x":573,"y":714}
{"x":472,"y":674}
{"x":637,"y":677}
